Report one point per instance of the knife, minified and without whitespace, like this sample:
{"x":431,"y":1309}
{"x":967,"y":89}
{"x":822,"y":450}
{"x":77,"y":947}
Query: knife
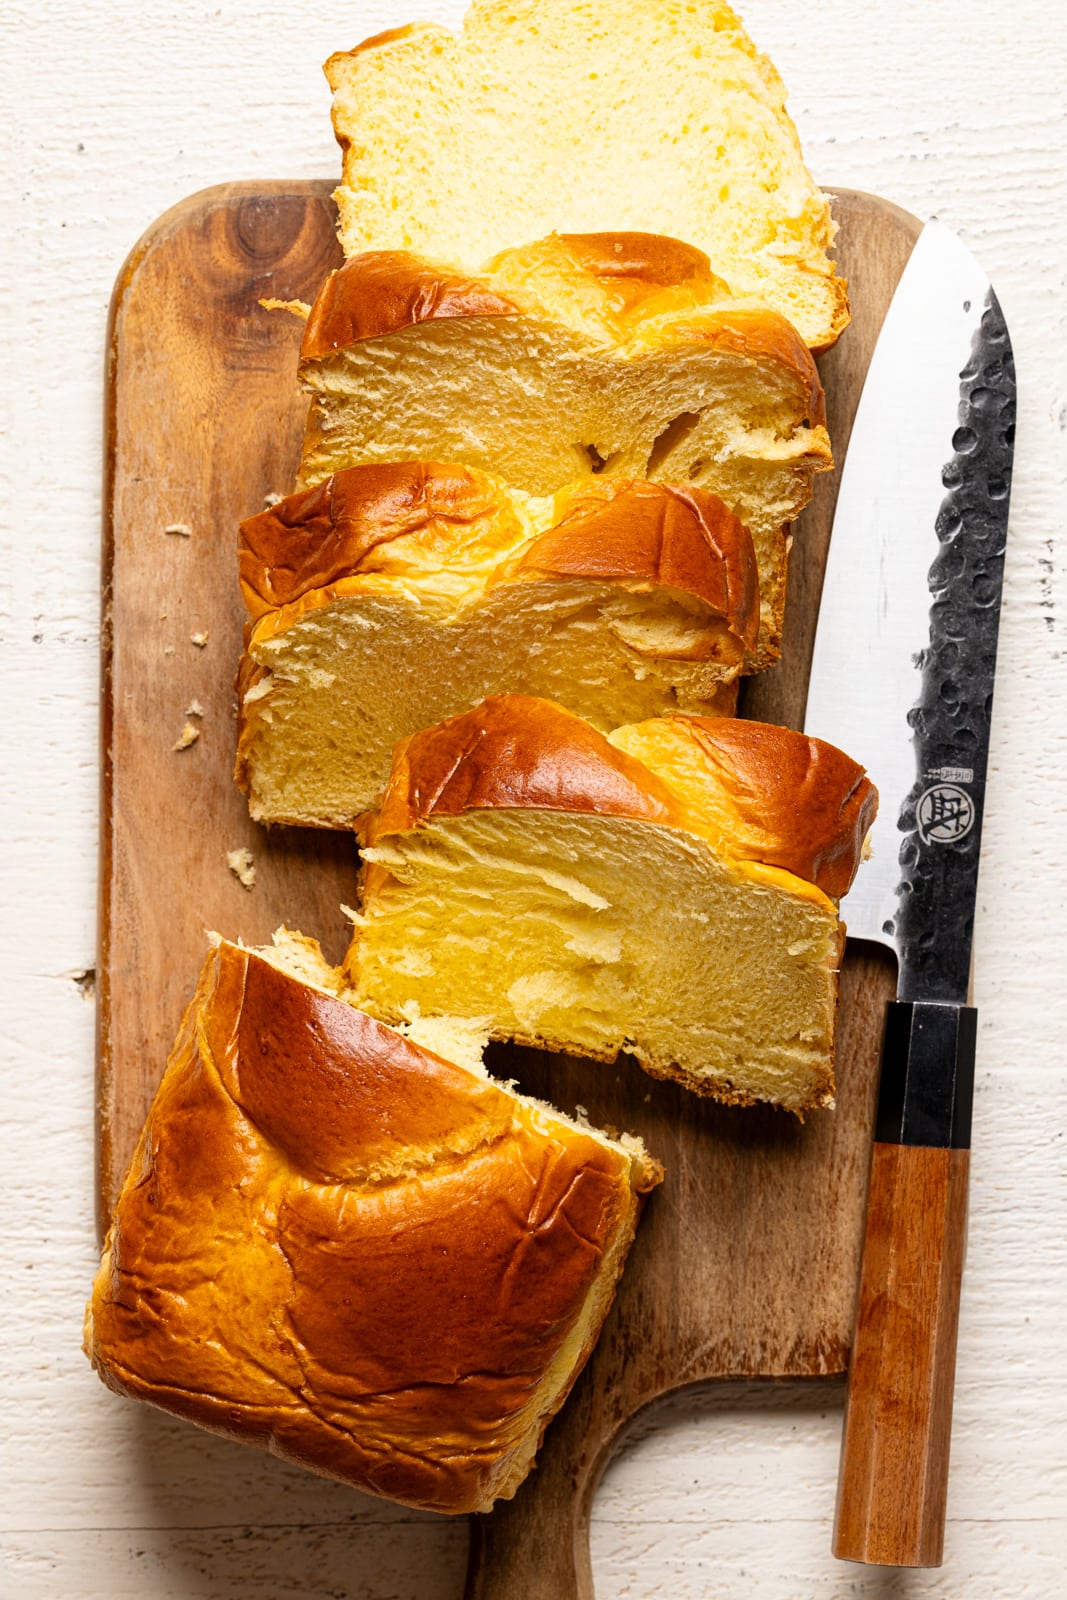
{"x":902,"y":678}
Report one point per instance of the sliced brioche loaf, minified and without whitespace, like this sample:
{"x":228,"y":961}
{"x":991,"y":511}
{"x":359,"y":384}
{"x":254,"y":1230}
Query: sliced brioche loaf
{"x":337,"y":1245}
{"x":392,"y":596}
{"x":569,"y":115}
{"x":668,"y":890}
{"x":614,"y":354}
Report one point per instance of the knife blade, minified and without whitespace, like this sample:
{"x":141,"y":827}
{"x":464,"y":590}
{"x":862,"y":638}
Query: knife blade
{"x":902,"y":676}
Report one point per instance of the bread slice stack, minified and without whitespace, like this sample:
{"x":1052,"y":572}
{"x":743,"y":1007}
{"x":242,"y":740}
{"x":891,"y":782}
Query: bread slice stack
{"x":564,"y":408}
{"x":580,"y":356}
{"x":580,"y":237}
{"x":340,"y":1246}
{"x":645,"y":312}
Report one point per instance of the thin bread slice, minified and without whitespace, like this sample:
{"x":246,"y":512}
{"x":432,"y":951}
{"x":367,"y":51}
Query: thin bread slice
{"x":576,"y":357}
{"x":584,"y":115}
{"x":669,"y":890}
{"x":392,"y":596}
{"x":337,"y":1245}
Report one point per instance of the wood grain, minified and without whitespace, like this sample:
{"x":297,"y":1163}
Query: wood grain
{"x":202,"y":423}
{"x":748,"y":1257}
{"x":898,"y":1419}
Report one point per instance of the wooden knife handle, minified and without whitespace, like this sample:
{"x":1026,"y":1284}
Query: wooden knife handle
{"x":895,"y":1450}
{"x":894,"y":1459}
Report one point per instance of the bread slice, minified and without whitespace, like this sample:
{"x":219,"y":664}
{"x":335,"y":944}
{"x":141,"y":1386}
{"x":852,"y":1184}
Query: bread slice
{"x":367,"y":1259}
{"x":669,"y":890}
{"x":575,"y":357}
{"x":392,"y":596}
{"x":584,"y":115}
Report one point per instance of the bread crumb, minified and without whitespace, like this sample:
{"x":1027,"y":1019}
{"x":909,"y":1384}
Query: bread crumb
{"x":189,"y":735}
{"x":299,"y":308}
{"x":270,"y":500}
{"x":84,"y":981}
{"x":199,"y":639}
{"x":194,"y":709}
{"x":240,"y":864}
{"x":181,"y":528}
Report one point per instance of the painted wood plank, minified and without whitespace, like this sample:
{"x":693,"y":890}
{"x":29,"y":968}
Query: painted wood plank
{"x":122,"y":111}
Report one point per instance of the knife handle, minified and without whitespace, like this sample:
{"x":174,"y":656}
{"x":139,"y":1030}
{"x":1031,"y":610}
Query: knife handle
{"x":893,"y":1479}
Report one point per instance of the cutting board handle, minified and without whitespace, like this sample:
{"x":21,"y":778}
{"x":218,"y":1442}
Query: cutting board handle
{"x":536,"y":1547}
{"x":517,"y":1554}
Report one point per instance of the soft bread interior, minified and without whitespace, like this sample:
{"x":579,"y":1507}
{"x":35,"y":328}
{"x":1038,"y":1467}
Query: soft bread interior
{"x":267,"y":1275}
{"x":544,"y":406}
{"x":347,"y":679}
{"x":597,"y":934}
{"x":575,"y":115}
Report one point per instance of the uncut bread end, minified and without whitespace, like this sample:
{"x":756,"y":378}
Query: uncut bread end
{"x":312,"y":1193}
{"x":458,"y":146}
{"x":525,"y":869}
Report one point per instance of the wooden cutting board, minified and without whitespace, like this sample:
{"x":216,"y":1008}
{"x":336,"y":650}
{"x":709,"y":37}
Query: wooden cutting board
{"x":747,"y":1258}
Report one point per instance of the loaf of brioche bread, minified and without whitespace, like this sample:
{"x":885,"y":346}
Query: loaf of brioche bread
{"x":390,"y":597}
{"x":549,"y":116}
{"x":338,"y":1245}
{"x":578,"y":356}
{"x":669,"y":889}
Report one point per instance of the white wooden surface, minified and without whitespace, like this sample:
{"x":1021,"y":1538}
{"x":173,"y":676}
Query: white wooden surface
{"x":115,"y":112}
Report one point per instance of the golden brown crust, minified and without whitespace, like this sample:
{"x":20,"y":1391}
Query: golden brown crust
{"x":334,"y":67}
{"x":799,"y":803}
{"x":514,"y":750}
{"x":674,"y":536}
{"x":387,"y":36}
{"x":273,"y":1270}
{"x":631,"y":262}
{"x":380,"y":292}
{"x":627,"y":277}
{"x":383,"y":291}
{"x":300,"y":553}
{"x":339,"y":1096}
{"x":763,"y":794}
{"x":311,"y":539}
{"x":774,"y":795}
{"x":637,"y":281}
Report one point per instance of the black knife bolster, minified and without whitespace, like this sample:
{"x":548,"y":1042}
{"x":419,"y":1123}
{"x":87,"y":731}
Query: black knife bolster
{"x":927,"y":1083}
